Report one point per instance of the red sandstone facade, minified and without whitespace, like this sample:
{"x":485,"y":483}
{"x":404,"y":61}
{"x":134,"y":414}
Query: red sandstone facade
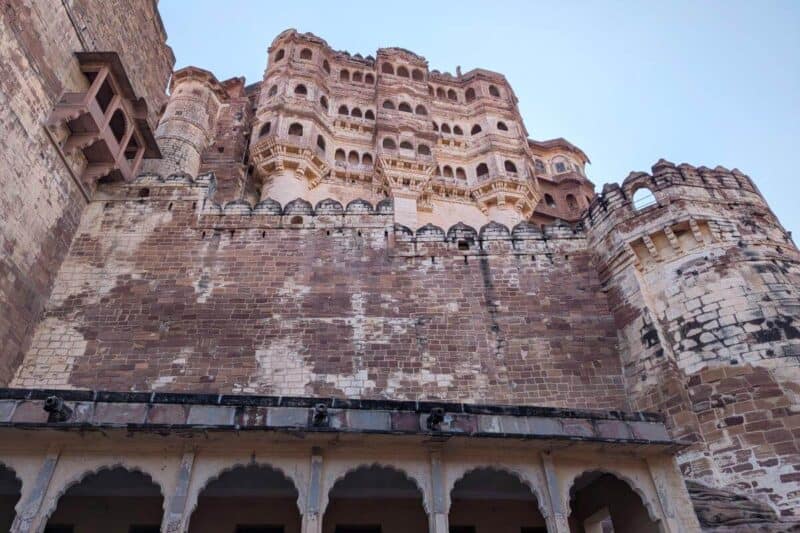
{"x":355,"y":228}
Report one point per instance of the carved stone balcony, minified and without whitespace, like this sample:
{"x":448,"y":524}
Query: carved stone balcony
{"x":108,"y":123}
{"x":272,"y":154}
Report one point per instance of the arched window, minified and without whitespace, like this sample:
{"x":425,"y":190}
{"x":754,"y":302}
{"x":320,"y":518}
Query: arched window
{"x":460,"y":174}
{"x":305,"y":53}
{"x":502,"y":126}
{"x":406,"y":145}
{"x":572,"y":203}
{"x":388,"y":143}
{"x":470,"y":94}
{"x":643,"y":197}
{"x":323,"y":101}
{"x":279,"y":55}
{"x":457,"y":130}
{"x":301,"y":89}
{"x":420,"y":110}
{"x":296,"y":129}
{"x":265,"y":129}
{"x":343,"y":110}
{"x":402,"y":72}
{"x":404,"y":107}
{"x":440,"y":93}
{"x":548,"y":200}
{"x":273,"y":91}
{"x":510,"y":166}
{"x":352,"y":158}
{"x":494,"y":91}
{"x":366,"y":159}
{"x":430,"y":90}
{"x":424,"y":149}
{"x":339,"y":155}
{"x":344,"y":75}
{"x":482,"y":170}
{"x":369,"y":115}
{"x":387,"y":68}
{"x":445,"y":128}
{"x":475,"y":129}
{"x":326,"y":66}
{"x":321,"y":141}
{"x":435,"y":126}
{"x":447,"y":171}
{"x":451,"y":95}
{"x":118,"y":124}
{"x":356,"y":112}
{"x":357,"y":77}
{"x":437,"y":172}
{"x":369,"y":79}
{"x":417,"y":75}
{"x":539,"y":166}
{"x":560,"y":166}
{"x":387,"y":104}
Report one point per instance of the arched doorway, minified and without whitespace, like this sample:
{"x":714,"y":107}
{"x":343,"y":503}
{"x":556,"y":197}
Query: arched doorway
{"x":489,"y":500}
{"x":10,"y":490}
{"x":247,"y":499}
{"x":113,"y":499}
{"x":375,"y":499}
{"x":603,"y":503}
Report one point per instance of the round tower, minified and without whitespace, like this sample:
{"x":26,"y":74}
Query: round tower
{"x":705,"y":287}
{"x":187,"y":125}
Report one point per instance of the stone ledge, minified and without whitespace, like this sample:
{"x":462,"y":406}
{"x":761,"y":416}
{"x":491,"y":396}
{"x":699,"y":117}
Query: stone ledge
{"x":22,"y":408}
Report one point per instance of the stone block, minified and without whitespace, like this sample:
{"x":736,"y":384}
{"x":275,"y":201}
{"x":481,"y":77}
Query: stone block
{"x":30,"y":411}
{"x":648,"y":431}
{"x":211,"y":415}
{"x":7,"y":409}
{"x":120,"y":413}
{"x":366,"y":420}
{"x":287,"y":417}
{"x":169,"y":414}
{"x":612,"y":429}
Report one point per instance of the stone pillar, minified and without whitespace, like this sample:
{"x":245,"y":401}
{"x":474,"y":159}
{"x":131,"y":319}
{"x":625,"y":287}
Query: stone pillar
{"x":557,"y":517}
{"x":187,"y":126}
{"x":174,"y":520}
{"x":29,"y":517}
{"x":662,"y":469}
{"x":312,"y":518}
{"x":437,"y":517}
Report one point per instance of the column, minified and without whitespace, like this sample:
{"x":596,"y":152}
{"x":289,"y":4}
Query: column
{"x":174,"y":517}
{"x":557,"y":519}
{"x":312,"y":518}
{"x":29,"y":518}
{"x":437,"y":518}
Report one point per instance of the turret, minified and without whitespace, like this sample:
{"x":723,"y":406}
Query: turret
{"x":187,"y":125}
{"x":705,"y":287}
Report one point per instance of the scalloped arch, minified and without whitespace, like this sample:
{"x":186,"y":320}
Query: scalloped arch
{"x":566,"y":497}
{"x":494,"y":227}
{"x":298,"y":206}
{"x":51,"y":504}
{"x":269,"y":206}
{"x":380,"y":465}
{"x":430,"y":229}
{"x":359,"y":205}
{"x":329,"y":205}
{"x":503,"y":469}
{"x":191,"y":504}
{"x":460,"y":228}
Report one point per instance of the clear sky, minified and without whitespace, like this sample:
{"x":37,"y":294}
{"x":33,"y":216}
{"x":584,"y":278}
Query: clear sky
{"x":702,"y":82}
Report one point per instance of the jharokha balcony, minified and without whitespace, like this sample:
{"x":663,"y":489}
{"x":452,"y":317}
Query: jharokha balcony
{"x":107,"y":122}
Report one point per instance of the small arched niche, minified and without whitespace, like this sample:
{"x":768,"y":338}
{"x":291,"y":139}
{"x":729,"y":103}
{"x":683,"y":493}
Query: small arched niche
{"x":112,"y":499}
{"x":375,"y":499}
{"x":600,"y":502}
{"x":490,"y":499}
{"x":643,"y":197}
{"x":247,"y":498}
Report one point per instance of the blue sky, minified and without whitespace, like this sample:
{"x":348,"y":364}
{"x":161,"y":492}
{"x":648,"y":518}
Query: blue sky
{"x":702,"y":82}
